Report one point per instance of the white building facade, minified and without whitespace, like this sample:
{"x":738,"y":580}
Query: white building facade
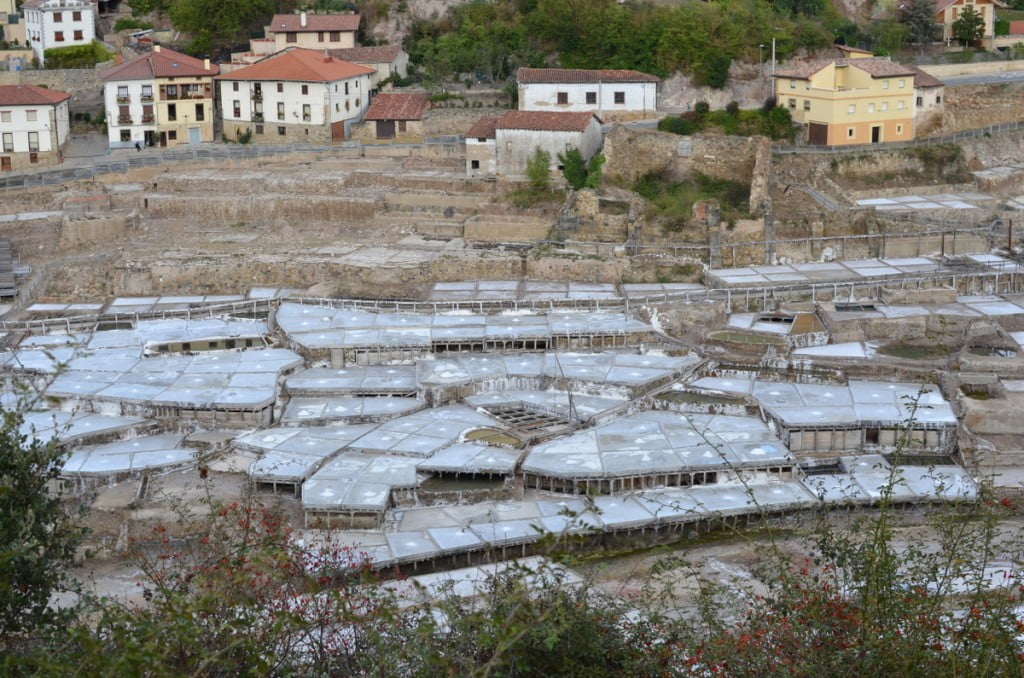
{"x":519,"y":134}
{"x":34,"y":124}
{"x":296,"y":96}
{"x":607,"y":93}
{"x":58,"y":23}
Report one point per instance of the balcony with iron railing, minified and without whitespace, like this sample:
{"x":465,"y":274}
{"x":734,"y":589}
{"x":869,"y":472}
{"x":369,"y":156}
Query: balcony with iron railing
{"x":257,"y":96}
{"x":148,"y":118}
{"x":147,"y":98}
{"x":257,"y":117}
{"x":124,"y":119}
{"x":123,"y":100}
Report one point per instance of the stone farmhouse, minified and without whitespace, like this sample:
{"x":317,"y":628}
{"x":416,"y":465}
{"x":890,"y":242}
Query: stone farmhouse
{"x":395,"y":118}
{"x":58,"y":23}
{"x":297,"y":95}
{"x":34,"y":125}
{"x":518,"y":135}
{"x":160,"y":98}
{"x":607,"y":93}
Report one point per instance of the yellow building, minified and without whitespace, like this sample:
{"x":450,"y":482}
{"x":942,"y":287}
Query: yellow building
{"x":850,"y":101}
{"x":311,"y":31}
{"x":948,"y":11}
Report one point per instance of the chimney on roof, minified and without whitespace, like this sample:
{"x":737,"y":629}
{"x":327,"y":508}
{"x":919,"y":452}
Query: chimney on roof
{"x":206,"y":64}
{"x":302,"y":19}
{"x":156,"y":48}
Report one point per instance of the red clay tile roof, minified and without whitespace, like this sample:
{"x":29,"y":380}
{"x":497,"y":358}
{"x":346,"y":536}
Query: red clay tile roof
{"x":545,"y":121}
{"x":165,"y":63}
{"x":876,"y":67}
{"x":398,"y":106}
{"x":299,"y":65}
{"x":292,"y":23}
{"x":922,"y":79}
{"x":483,"y":128}
{"x":30,"y":95}
{"x":846,"y":49}
{"x":377,"y":54}
{"x":573,"y":75}
{"x":1016,"y":27}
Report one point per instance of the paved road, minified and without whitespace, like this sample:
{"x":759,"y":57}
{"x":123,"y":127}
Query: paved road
{"x":985,"y":78}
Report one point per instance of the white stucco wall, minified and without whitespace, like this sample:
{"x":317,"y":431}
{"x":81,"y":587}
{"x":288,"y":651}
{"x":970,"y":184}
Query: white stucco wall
{"x":41,"y":28}
{"x":639,"y":97}
{"x":513,"y":148}
{"x":931,"y":98}
{"x":47,"y":118}
{"x":136,"y":128}
{"x":484,"y":153}
{"x":328,"y":102}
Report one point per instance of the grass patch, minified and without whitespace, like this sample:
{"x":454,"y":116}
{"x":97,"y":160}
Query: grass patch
{"x":775,"y":123}
{"x":672,"y":201}
{"x":901,"y":349}
{"x":491,"y":436}
{"x":524,"y":198}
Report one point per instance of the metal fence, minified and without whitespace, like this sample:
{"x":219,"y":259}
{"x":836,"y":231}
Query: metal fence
{"x":990,"y":130}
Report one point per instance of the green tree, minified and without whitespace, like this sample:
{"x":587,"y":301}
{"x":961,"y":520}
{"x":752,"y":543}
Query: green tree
{"x":594,"y":171}
{"x":38,"y":537}
{"x":538,"y":170}
{"x":144,"y":7}
{"x":969,"y":26}
{"x":888,"y":35}
{"x":919,"y":19}
{"x":574,"y":168}
{"x":215,"y":24}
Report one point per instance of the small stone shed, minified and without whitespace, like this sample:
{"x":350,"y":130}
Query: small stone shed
{"x":394,"y":118}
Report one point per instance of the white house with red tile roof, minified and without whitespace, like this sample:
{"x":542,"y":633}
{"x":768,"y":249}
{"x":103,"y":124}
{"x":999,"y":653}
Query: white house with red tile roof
{"x":294,"y":96}
{"x":160,"y":98}
{"x":518,"y":135}
{"x":58,"y":23}
{"x":34,"y":125}
{"x":395,"y":117}
{"x":481,"y":160}
{"x":312,"y":31}
{"x":607,"y":93}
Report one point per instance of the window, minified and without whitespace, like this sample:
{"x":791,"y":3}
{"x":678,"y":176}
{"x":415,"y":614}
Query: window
{"x":563,"y":98}
{"x":920,"y":101}
{"x":58,"y":17}
{"x":320,"y":36}
{"x":401,"y":125}
{"x":31,"y":116}
{"x":885,"y":84}
{"x":200,"y":112}
{"x":147,"y":113}
{"x":280,"y":87}
{"x":792,"y":84}
{"x":337,"y":107}
{"x":938,"y":100}
{"x":850,"y":132}
{"x":885,"y":106}
{"x":851,"y":109}
{"x":474,"y":164}
{"x":5,"y":116}
{"x":280,"y":130}
{"x":482,"y":140}
{"x":76,"y":16}
{"x":335,"y":36}
{"x":8,"y":142}
{"x":33,"y":157}
{"x":347,"y":106}
{"x":172,"y":111}
{"x":236,"y":108}
{"x":901,"y":83}
{"x":124,"y":115}
{"x":807,"y":104}
{"x":58,"y":36}
{"x":291,"y":37}
{"x":33,"y":141}
{"x":899,"y":129}
{"x":591,"y":97}
{"x":172,"y":135}
{"x":234,"y":87}
{"x":792,"y":103}
{"x":126,"y":135}
{"x":871,"y":108}
{"x":122,"y":94}
{"x":346,"y":88}
{"x":79,"y":36}
{"x":259,"y":130}
{"x":305,"y":89}
{"x":620,"y":97}
{"x":147,"y":92}
{"x":899,"y":105}
{"x":306,"y":114}
{"x":280,"y":110}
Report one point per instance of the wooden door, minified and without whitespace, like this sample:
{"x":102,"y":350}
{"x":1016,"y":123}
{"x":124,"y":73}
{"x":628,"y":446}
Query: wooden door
{"x":817,"y":134}
{"x":385,"y":129}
